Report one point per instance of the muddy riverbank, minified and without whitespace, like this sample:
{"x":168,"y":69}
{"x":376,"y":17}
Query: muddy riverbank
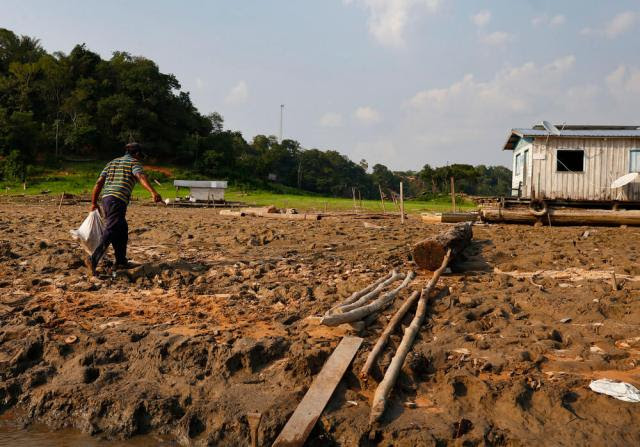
{"x":216,"y":324}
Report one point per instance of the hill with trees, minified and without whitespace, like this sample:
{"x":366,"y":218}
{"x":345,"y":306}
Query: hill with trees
{"x":68,"y":106}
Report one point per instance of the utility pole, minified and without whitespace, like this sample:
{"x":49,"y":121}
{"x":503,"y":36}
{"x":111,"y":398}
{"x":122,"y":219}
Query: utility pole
{"x":281,"y":112}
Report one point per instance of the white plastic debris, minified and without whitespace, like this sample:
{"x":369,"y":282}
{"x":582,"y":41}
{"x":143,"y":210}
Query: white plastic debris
{"x":620,"y":390}
{"x":90,"y":232}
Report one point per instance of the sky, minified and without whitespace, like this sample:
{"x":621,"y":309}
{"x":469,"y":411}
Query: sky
{"x":398,"y":82}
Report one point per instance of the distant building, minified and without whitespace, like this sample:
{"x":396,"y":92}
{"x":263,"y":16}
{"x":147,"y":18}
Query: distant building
{"x":579,"y":164}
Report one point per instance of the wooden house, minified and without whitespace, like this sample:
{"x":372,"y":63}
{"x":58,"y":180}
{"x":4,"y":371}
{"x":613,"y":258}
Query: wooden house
{"x":579,"y":164}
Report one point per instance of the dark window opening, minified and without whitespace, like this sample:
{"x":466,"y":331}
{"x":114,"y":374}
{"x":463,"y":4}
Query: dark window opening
{"x":570,"y":161}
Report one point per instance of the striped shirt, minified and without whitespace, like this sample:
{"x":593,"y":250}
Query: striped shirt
{"x":120,"y":177}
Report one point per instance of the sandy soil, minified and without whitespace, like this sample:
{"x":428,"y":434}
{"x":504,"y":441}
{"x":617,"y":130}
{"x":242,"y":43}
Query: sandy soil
{"x":215,"y":324}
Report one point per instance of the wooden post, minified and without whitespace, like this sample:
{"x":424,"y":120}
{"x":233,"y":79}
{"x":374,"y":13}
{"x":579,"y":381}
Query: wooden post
{"x":326,"y":204}
{"x":61,"y":199}
{"x":384,"y":211}
{"x":360,"y":199}
{"x":353,"y":193}
{"x":401,"y":203}
{"x":453,"y":195}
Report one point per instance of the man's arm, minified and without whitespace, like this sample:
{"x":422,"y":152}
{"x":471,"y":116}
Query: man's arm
{"x":144,"y":181}
{"x":97,"y":189}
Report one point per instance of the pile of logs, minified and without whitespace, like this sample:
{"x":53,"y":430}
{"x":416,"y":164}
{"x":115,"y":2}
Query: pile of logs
{"x":372,"y":300}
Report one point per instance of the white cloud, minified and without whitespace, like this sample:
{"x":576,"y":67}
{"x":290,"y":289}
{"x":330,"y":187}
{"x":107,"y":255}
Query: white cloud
{"x":470,"y":116}
{"x":367,"y":115}
{"x":482,"y":18}
{"x":239,"y":94}
{"x":496,"y":38}
{"x":624,"y":81}
{"x":331,"y":119}
{"x":551,"y":21}
{"x":620,"y":24}
{"x":388,"y":19}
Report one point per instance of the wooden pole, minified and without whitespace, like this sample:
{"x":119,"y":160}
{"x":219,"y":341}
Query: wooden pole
{"x":401,"y":203}
{"x":453,"y":194}
{"x":61,"y":199}
{"x":360,"y":198}
{"x":353,"y":193}
{"x":384,"y":211}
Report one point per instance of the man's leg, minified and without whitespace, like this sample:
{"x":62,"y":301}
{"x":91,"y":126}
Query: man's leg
{"x":121,"y":237}
{"x":112,"y":209}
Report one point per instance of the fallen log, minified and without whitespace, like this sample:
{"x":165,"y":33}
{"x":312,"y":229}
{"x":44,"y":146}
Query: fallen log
{"x":291,"y":216}
{"x":391,"y":375}
{"x":568,"y":274}
{"x":366,"y":310}
{"x":232,"y":213}
{"x":449,"y":217}
{"x":562,"y":216}
{"x":429,"y":253}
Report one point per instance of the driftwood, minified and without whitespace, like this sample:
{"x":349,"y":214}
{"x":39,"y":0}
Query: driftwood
{"x":356,"y":295}
{"x":363,"y":311}
{"x":429,"y":253}
{"x":232,"y":213}
{"x":562,"y":216}
{"x":371,"y":295}
{"x":382,"y":341}
{"x":568,"y":274}
{"x":391,"y":375}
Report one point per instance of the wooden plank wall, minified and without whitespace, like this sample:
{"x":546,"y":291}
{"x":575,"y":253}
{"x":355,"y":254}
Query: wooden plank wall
{"x":605,"y":160}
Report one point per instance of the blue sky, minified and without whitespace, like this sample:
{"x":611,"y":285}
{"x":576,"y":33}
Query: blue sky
{"x":400,"y":82}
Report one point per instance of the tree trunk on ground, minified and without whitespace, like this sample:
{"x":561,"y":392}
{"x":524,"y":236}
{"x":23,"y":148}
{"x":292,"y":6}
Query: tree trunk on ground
{"x":429,"y":253}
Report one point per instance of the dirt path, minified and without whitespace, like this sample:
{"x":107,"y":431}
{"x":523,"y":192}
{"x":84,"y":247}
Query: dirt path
{"x":215,"y":325}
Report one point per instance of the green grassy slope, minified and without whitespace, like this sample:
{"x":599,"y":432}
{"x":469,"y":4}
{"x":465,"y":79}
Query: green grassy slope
{"x":79,"y":177}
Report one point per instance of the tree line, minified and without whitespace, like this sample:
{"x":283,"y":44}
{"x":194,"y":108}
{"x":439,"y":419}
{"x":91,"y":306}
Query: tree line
{"x":66,"y":106}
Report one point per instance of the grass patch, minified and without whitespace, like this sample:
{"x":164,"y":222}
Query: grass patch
{"x":79,"y":178}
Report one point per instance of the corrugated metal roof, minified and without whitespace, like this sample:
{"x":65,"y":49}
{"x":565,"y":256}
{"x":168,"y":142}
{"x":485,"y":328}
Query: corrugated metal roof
{"x":518,"y":133}
{"x":583,"y":133}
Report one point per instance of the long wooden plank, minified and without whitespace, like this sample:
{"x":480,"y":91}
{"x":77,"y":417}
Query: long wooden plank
{"x":297,"y":429}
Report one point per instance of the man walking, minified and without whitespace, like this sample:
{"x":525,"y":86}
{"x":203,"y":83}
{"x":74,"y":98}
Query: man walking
{"x":116,"y":183}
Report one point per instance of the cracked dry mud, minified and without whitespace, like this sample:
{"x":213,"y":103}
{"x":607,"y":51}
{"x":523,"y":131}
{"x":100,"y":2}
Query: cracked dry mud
{"x":215,"y":324}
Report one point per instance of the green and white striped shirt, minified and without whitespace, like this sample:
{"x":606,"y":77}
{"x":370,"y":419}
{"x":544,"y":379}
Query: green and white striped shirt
{"x":120,"y":177}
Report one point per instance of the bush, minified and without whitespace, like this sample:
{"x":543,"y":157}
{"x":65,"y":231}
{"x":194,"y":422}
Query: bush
{"x":14,"y":167}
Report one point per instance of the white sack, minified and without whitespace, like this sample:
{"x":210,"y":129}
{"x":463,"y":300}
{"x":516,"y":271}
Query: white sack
{"x":90,"y":232}
{"x":619,"y":390}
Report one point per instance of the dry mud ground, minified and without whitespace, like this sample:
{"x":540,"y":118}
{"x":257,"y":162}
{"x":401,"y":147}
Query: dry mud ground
{"x":215,"y":325}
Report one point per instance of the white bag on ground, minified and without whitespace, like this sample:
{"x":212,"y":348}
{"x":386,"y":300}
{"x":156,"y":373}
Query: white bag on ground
{"x":90,"y":232}
{"x":619,"y":390}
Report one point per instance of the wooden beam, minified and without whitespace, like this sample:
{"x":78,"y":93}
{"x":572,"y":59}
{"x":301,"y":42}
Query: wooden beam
{"x":299,"y":426}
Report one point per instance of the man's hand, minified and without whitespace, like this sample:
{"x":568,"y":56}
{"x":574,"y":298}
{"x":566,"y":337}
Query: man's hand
{"x":94,"y":206}
{"x":156,"y":197}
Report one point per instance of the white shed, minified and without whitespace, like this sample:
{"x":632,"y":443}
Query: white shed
{"x":203,"y":190}
{"x":579,"y":164}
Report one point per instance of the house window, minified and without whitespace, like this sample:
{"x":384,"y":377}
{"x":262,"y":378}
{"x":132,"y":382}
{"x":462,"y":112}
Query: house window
{"x":634,"y":160}
{"x":518,"y":164}
{"x":570,"y":160}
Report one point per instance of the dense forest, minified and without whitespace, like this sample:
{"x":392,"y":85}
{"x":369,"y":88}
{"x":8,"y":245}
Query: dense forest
{"x":72,"y":106}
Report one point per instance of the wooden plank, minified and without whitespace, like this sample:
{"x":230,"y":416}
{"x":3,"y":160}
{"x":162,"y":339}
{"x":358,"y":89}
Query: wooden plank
{"x":297,"y":429}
